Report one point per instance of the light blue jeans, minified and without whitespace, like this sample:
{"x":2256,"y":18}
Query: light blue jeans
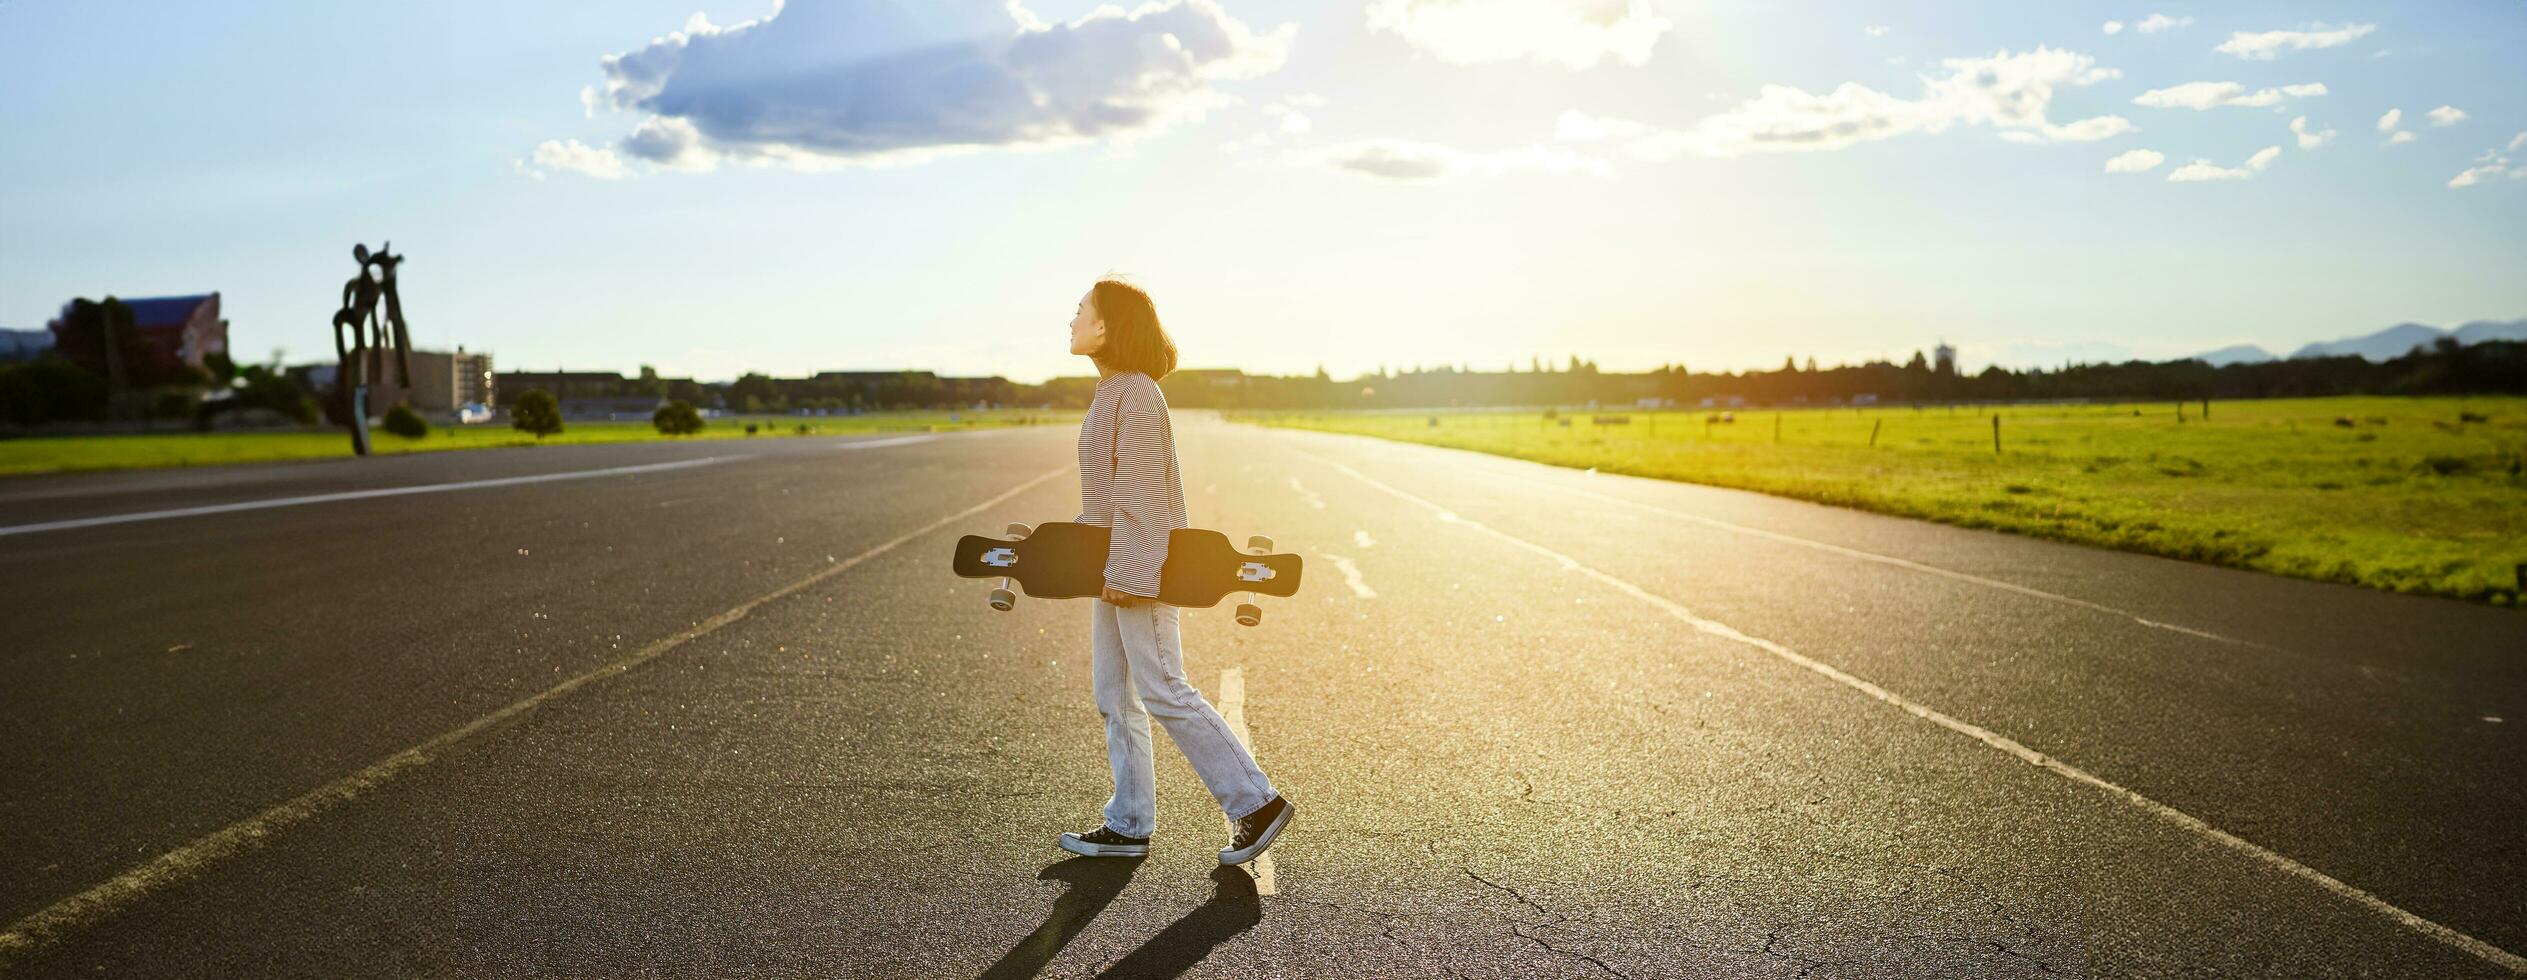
{"x":1139,"y":671}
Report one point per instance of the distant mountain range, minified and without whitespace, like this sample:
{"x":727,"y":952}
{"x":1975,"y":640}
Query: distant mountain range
{"x":2385,"y":345}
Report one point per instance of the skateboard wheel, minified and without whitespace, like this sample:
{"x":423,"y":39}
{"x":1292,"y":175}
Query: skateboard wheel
{"x":1249,"y":614}
{"x":1017,"y":530}
{"x":1259,"y":543}
{"x":1002,"y":599}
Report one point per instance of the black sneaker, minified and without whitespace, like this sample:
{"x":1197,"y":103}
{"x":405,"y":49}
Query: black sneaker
{"x":1104,"y":842}
{"x":1256,"y":830}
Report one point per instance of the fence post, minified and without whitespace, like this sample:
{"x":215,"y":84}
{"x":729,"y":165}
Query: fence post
{"x":1776,"y":427}
{"x":1996,"y":433}
{"x":2206,"y":410}
{"x":1873,"y":432}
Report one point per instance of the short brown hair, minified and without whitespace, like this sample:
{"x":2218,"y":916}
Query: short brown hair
{"x":1134,"y":340}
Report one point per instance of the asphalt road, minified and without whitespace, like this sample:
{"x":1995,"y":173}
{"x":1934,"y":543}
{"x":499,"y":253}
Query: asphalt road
{"x":735,"y":718}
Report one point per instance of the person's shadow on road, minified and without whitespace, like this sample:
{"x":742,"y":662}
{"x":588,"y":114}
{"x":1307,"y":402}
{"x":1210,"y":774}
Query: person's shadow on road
{"x":1234,"y":908}
{"x":1093,"y":883}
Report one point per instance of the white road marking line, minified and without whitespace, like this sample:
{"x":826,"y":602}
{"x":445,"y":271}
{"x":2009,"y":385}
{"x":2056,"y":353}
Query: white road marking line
{"x":1889,"y":560}
{"x":1232,"y":708}
{"x":1350,"y":575}
{"x":1871,"y":556}
{"x":326,"y":498}
{"x":892,"y":441}
{"x":2426,"y":927}
{"x":1363,"y":539}
{"x":198,"y":854}
{"x":1312,"y":499}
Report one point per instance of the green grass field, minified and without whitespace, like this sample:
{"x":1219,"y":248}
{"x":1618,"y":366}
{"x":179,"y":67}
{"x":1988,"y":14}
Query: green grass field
{"x":120,"y":452}
{"x":2412,"y":495}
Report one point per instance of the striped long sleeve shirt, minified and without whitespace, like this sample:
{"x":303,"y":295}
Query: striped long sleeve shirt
{"x":1127,"y":478}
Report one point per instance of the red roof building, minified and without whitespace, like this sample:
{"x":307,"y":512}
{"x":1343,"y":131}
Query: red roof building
{"x":174,"y":331}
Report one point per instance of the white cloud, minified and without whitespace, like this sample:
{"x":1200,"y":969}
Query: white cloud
{"x":2087,"y":130}
{"x":2310,"y":139}
{"x":2200,"y":170}
{"x":2387,"y":123}
{"x":1408,"y":160}
{"x":2446,"y":115}
{"x":820,"y":83}
{"x":1288,"y":123}
{"x":2517,"y":141}
{"x":2155,"y":23}
{"x":2490,"y":164}
{"x":1559,"y":32}
{"x":2401,"y":136}
{"x":576,"y":157}
{"x":2005,"y":91}
{"x":2135,"y":161}
{"x":589,"y":100}
{"x":1638,"y":140}
{"x":2265,"y":45}
{"x":1875,"y":30}
{"x":2111,"y":27}
{"x":2213,"y":95}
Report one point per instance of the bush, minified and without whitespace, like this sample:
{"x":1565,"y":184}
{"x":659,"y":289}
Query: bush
{"x":403,"y":421}
{"x":677,"y":418}
{"x":173,"y":405}
{"x":265,"y":388}
{"x":536,"y":412}
{"x":49,"y":389}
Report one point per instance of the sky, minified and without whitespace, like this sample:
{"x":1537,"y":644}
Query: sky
{"x":726,"y":187}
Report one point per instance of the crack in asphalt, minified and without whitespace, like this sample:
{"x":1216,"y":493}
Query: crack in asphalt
{"x":1557,"y":919}
{"x":1807,"y":964}
{"x":1386,"y":927}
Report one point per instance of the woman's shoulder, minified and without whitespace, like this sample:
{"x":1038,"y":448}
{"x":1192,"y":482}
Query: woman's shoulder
{"x":1135,"y":385}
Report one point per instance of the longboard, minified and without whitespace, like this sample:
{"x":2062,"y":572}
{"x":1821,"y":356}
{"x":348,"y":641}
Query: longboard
{"x":1062,"y":560}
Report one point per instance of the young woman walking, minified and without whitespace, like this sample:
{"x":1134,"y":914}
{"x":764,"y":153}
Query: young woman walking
{"x":1128,"y":482}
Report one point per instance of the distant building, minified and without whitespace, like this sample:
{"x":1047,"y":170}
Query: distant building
{"x":175,"y":332}
{"x":1943,"y":359}
{"x":612,"y":408}
{"x":442,"y":381}
{"x":562,"y":384}
{"x":24,"y":345}
{"x":1215,"y":377}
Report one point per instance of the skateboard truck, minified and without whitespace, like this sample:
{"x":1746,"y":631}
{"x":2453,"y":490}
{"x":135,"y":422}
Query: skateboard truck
{"x":1249,"y":614}
{"x":1003,"y":598}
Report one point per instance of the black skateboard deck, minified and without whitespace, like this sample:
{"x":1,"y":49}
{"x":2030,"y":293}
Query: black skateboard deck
{"x":1068,"y":561}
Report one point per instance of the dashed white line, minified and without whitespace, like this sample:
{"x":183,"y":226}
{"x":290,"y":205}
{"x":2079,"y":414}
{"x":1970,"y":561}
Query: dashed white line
{"x":891,"y":441}
{"x":1890,"y":560}
{"x":2469,"y":944}
{"x":190,"y":859}
{"x":1350,"y":575}
{"x":326,"y":498}
{"x":1232,"y":708}
{"x":1310,"y":495}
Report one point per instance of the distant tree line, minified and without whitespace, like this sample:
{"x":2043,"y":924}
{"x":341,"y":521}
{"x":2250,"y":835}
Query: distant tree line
{"x":2444,"y":367}
{"x":77,"y":381}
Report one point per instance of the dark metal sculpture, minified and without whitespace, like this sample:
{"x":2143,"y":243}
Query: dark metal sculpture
{"x":362,"y":359}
